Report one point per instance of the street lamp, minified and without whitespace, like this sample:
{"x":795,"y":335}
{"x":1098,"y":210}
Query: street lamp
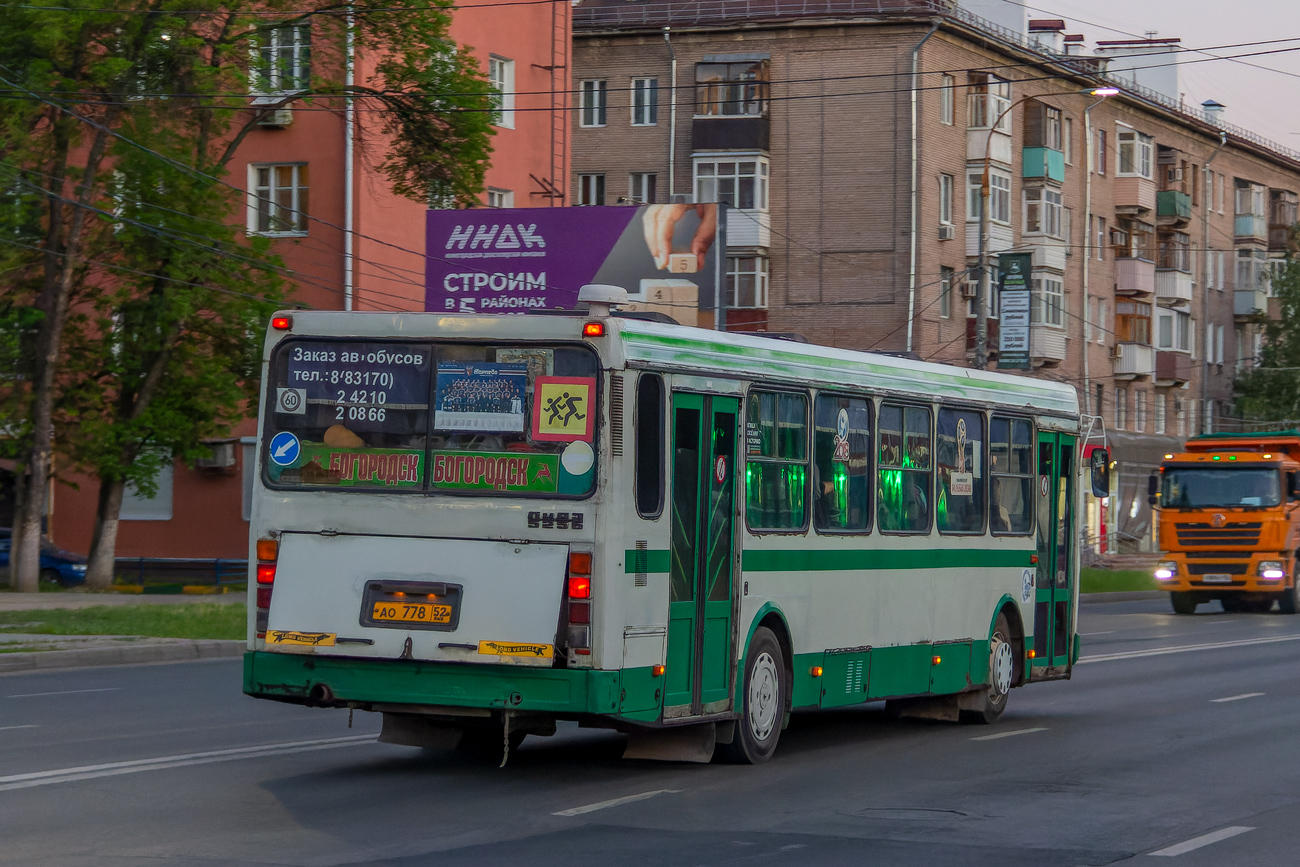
{"x":985,"y":285}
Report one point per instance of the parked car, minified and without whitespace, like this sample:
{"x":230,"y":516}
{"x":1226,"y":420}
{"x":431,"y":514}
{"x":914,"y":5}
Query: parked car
{"x":65,"y":567}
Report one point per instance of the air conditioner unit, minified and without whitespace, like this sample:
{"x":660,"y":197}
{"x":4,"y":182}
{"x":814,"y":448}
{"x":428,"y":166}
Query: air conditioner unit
{"x":277,"y":119}
{"x":222,"y":457}
{"x":968,"y":288}
{"x":947,"y":233}
{"x":1117,"y":352}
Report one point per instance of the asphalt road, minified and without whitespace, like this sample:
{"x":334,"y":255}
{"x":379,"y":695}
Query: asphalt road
{"x":1146,"y":752}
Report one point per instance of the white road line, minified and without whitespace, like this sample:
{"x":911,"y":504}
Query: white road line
{"x":1198,"y":842}
{"x":613,"y":802}
{"x":1009,"y":734}
{"x":1186,"y":648}
{"x":113,"y":769}
{"x":11,"y":728}
{"x":1236,"y":697}
{"x":64,"y":692}
{"x":1107,"y":632}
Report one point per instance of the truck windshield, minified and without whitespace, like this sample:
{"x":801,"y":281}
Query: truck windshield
{"x":468,"y":418}
{"x":1187,"y":488}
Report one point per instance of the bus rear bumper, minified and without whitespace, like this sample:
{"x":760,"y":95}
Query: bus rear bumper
{"x":305,"y":679}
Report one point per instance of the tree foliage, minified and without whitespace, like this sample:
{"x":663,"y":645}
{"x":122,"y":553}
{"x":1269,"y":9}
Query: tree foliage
{"x":1270,"y":390}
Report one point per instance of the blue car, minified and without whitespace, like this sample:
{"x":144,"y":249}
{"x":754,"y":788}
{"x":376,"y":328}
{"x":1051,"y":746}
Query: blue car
{"x":65,"y":567}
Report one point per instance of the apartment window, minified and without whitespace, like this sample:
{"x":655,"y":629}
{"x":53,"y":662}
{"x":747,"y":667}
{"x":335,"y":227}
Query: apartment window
{"x":1140,"y":411}
{"x":947,"y":92}
{"x":500,"y":198}
{"x":1175,"y":252}
{"x":281,"y":60}
{"x":1160,"y":412}
{"x":741,"y":184}
{"x":1133,"y":239}
{"x":1218,"y":344}
{"x":1100,"y":162}
{"x":137,"y":507}
{"x":279,"y":202}
{"x":999,"y":196}
{"x":591,"y":97}
{"x":1052,"y":129}
{"x":1219,"y":193}
{"x":842,"y":464}
{"x":591,"y":189}
{"x":945,"y":199}
{"x":1135,"y":154}
{"x":747,"y":281}
{"x":990,"y":97}
{"x":501,"y":77}
{"x":1174,"y":330}
{"x":1121,"y":408}
{"x":1180,"y":414}
{"x":1133,"y":322}
{"x":645,"y":101}
{"x":642,"y":187}
{"x":1043,"y":212}
{"x":731,"y":89}
{"x":945,"y":292}
{"x":1252,"y":269}
{"x":1047,"y":301}
{"x":1100,"y":246}
{"x":1102,"y":321}
{"x":776,"y":464}
{"x":905,"y":468}
{"x":1209,"y":189}
{"x":1068,"y":141}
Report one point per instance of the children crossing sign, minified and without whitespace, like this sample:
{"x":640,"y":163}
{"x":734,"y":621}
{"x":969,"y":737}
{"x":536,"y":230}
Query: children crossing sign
{"x":562,"y":408}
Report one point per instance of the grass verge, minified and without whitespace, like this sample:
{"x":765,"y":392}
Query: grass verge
{"x":199,"y":620}
{"x":1115,"y":580}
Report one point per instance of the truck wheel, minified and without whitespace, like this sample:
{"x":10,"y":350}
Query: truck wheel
{"x":1183,"y":601}
{"x":763,"y":702}
{"x":1288,"y":601}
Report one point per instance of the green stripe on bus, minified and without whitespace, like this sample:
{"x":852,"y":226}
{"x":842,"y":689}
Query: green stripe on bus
{"x":847,"y":561}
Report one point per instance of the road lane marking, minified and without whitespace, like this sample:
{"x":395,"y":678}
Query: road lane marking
{"x":64,"y":692}
{"x":113,"y":769}
{"x":1198,"y":842}
{"x":1186,"y":648}
{"x":1010,"y":734}
{"x":1107,"y":632}
{"x":613,"y":802}
{"x":1236,"y":697}
{"x":11,"y":728}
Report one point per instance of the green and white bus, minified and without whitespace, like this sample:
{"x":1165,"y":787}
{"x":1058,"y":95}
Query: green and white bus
{"x":480,"y":525}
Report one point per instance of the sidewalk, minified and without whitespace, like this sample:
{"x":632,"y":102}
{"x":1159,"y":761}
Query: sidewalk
{"x":81,"y":599}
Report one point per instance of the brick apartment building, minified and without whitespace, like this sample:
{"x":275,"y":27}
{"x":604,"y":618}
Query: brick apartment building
{"x":850,"y":142}
{"x":302,"y":161}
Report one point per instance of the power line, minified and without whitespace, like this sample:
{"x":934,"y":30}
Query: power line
{"x":342,"y":10}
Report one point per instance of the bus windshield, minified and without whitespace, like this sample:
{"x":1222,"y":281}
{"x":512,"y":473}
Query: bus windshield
{"x":1196,"y":488}
{"x":470,"y":418}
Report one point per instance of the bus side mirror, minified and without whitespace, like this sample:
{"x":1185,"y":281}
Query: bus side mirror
{"x":1153,"y":489}
{"x":1100,"y":466}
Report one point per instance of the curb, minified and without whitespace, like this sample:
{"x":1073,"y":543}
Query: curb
{"x":1127,"y":596}
{"x":174,"y":651}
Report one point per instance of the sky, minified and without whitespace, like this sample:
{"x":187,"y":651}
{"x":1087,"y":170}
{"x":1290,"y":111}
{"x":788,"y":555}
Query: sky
{"x":1265,"y":102}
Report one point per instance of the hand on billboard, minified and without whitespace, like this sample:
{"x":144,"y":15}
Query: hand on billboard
{"x":659,"y":223}
{"x":705,"y":234}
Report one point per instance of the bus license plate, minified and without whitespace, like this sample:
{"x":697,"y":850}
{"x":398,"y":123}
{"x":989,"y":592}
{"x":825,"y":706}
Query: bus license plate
{"x":412,"y":612}
{"x":1217,"y":578}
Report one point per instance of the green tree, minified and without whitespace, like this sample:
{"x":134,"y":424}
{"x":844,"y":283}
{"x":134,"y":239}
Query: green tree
{"x":135,"y":304}
{"x":1270,"y":391}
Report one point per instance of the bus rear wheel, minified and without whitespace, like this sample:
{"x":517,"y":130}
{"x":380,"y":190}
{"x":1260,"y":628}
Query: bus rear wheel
{"x":1183,"y":601}
{"x":763,"y":702}
{"x":1002,"y":668}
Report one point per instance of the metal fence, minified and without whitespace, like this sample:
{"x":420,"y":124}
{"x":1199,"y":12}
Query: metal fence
{"x":175,"y":570}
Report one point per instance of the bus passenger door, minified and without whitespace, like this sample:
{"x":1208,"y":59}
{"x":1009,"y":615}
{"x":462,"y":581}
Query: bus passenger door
{"x":701,"y":555}
{"x":1055,"y":536}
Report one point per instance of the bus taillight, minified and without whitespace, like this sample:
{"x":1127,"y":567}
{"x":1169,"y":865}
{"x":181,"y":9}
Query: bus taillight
{"x":578,"y":634}
{"x":268,"y":551}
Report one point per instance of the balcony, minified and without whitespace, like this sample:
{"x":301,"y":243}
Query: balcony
{"x":1134,"y":360}
{"x":1173,"y":288}
{"x":1251,"y":228}
{"x":1279,"y":237}
{"x":1134,"y":195}
{"x":1173,"y":208}
{"x":999,"y":149}
{"x":731,"y":133}
{"x":1043,"y":163}
{"x":1001,"y":238}
{"x":1135,"y":277}
{"x":749,"y":228}
{"x":1046,"y":344}
{"x":1049,"y":253}
{"x":1173,"y":368}
{"x":1247,"y":303}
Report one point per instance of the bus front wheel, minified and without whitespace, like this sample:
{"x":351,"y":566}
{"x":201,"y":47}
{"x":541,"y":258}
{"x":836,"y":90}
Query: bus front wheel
{"x":763,"y":700}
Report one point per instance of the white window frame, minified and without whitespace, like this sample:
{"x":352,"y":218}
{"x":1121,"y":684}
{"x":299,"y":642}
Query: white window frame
{"x":1067,"y":136}
{"x":1140,"y":411}
{"x":1053,"y":128}
{"x":987,"y":102}
{"x":1047,"y":300}
{"x":756,"y":266}
{"x":1173,"y":331}
{"x":999,"y":196}
{"x":298,"y":206}
{"x":947,"y":99}
{"x":946,"y":184}
{"x":287,"y":48}
{"x":591,"y":189}
{"x":1160,"y":418}
{"x":1042,"y":211}
{"x":645,"y":101}
{"x":705,"y":179}
{"x":946,"y":279}
{"x":1121,"y":408}
{"x":501,"y":77}
{"x":1138,"y":151}
{"x":593,"y":107}
{"x":500,"y":198}
{"x":643,"y":187}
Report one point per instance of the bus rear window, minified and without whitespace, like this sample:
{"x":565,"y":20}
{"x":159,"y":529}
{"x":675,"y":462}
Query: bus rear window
{"x":464,"y":418}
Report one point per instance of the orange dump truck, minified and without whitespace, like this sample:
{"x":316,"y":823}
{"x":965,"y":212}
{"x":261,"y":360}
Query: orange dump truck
{"x":1229,"y":509}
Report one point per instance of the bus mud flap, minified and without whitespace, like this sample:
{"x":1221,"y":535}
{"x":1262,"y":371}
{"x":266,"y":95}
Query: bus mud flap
{"x":690,"y":743}
{"x":417,"y":730}
{"x":943,"y":707}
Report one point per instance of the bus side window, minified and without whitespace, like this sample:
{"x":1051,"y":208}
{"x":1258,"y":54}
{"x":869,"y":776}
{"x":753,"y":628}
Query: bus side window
{"x":776,"y":461}
{"x":959,"y":445}
{"x":649,"y":421}
{"x":1011,"y":478}
{"x":841,"y":464}
{"x":906,"y":462}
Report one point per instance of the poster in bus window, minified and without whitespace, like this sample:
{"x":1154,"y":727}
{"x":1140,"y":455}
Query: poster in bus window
{"x":562,"y":408}
{"x":480,"y":397}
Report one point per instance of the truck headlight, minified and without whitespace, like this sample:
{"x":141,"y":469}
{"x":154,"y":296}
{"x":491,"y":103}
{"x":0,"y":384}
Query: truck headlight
{"x":1166,"y":570}
{"x":1272,"y":570}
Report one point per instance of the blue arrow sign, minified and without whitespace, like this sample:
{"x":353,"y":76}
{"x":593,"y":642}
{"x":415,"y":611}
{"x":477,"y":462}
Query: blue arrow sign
{"x":285,"y":448}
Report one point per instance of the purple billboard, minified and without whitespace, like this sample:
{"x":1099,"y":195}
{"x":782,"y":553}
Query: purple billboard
{"x":510,"y":260}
